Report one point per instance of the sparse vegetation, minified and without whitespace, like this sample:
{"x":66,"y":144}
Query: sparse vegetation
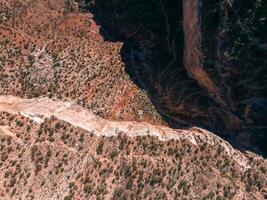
{"x":72,"y":61}
{"x":129,"y":165}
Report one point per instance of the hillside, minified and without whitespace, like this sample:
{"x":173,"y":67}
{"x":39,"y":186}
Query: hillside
{"x":58,"y":150}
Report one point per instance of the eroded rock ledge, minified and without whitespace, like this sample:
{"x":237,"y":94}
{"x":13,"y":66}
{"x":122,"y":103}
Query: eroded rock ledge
{"x":39,"y":109}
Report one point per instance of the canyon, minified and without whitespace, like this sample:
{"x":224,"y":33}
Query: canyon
{"x":112,"y":99}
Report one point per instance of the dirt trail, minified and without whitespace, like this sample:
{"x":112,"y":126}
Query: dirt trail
{"x":41,"y":108}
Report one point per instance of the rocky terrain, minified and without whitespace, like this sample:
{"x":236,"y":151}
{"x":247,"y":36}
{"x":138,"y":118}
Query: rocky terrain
{"x":112,"y":99}
{"x":58,"y":150}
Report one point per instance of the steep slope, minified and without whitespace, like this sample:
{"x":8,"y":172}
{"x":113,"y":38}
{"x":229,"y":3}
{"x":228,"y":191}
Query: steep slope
{"x":202,"y":61}
{"x":58,"y":150}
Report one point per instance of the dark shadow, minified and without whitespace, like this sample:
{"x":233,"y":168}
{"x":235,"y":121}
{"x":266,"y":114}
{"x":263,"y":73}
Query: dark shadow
{"x":152,"y":37}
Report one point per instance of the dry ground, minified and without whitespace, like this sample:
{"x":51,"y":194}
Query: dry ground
{"x":50,"y":48}
{"x":58,"y":150}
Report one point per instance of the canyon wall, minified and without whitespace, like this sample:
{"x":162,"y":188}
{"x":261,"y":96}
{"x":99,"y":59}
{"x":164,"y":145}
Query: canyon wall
{"x":202,"y":62}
